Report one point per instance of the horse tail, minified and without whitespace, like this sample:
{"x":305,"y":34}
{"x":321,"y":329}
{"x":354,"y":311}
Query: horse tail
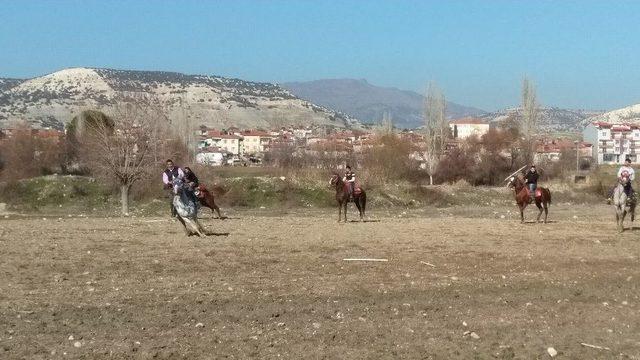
{"x":549,"y":195}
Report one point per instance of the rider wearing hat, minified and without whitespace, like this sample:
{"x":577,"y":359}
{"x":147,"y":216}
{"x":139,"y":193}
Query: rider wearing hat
{"x":531,"y":177}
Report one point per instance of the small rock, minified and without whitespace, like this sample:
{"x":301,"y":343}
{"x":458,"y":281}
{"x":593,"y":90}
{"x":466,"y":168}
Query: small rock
{"x":454,"y":278}
{"x":77,"y":344}
{"x":474,"y":335}
{"x":199,"y":325}
{"x":71,"y":337}
{"x":501,"y":216}
{"x":625,"y":303}
{"x":464,"y":323}
{"x":552,"y":352}
{"x":316,"y":325}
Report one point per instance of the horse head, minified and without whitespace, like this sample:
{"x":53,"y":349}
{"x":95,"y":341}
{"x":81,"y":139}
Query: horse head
{"x":624,"y":180}
{"x":335,"y":179}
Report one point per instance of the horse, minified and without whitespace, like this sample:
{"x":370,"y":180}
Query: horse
{"x":342,"y":197}
{"x":542,"y":197}
{"x":624,"y":205}
{"x":206,"y":199}
{"x":187,"y":209}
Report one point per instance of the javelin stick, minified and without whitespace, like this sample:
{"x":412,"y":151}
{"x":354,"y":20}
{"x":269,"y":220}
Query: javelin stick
{"x":517,"y":171}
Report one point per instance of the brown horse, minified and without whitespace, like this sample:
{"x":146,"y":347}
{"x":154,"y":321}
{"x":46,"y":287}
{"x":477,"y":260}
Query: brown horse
{"x":542,"y":197}
{"x":342,"y":197}
{"x":207,"y":200}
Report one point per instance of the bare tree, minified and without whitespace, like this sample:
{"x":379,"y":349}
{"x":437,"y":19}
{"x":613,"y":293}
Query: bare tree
{"x":386,"y":125}
{"x":124,"y":146}
{"x":529,"y":119}
{"x":435,"y":127}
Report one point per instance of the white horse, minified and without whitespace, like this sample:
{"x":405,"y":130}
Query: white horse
{"x":187,"y":209}
{"x":623,"y":204}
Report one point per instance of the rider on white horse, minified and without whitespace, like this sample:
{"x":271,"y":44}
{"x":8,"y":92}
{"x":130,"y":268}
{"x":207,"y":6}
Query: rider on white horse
{"x":627,"y":171}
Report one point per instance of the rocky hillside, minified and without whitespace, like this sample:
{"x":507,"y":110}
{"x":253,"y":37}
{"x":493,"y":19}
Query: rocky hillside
{"x":368,"y":103}
{"x":54,"y":99}
{"x":551,"y":119}
{"x":629,"y":114}
{"x":6,"y":84}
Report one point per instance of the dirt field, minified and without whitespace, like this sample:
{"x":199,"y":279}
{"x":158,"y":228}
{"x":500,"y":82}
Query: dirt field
{"x":458,"y":284}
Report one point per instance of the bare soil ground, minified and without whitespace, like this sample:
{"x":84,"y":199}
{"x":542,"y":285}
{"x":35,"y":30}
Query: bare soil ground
{"x":277,"y":287}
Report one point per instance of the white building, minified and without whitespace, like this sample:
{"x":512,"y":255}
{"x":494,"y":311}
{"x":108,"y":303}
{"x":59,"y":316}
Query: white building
{"x":231,"y":143}
{"x":465,"y":127}
{"x":613,"y":143}
{"x":212,"y":158}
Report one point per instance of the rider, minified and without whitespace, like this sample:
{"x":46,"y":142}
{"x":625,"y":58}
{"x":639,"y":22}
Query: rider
{"x":627,"y":170}
{"x":192,"y":182}
{"x":190,"y":178}
{"x":171,"y":173}
{"x":350,"y":180}
{"x":531,"y":178}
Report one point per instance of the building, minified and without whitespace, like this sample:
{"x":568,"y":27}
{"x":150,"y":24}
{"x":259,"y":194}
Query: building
{"x":613,"y":143}
{"x":255,"y":142}
{"x":468,"y":126}
{"x":552,"y":149}
{"x":233,"y":144}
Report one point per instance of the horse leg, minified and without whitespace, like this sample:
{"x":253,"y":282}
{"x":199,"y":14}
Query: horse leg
{"x":539,"y":212}
{"x":217,"y":210}
{"x":346,"y":203}
{"x":363,"y":199}
{"x":339,"y":211}
{"x":201,"y":228}
{"x":620,"y":219}
{"x":522,"y":214}
{"x":184,"y":225}
{"x":357,"y":202}
{"x":546,"y":212}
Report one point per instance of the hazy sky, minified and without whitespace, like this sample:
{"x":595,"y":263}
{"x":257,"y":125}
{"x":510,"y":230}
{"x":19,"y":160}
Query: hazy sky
{"x":581,"y":54}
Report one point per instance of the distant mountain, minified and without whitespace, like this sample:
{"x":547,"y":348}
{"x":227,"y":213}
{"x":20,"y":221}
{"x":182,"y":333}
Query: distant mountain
{"x":215,"y":101}
{"x":629,"y":114}
{"x":368,"y":103}
{"x":551,"y":119}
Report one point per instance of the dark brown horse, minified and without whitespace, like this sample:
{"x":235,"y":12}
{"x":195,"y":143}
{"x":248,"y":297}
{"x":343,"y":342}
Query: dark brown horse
{"x":207,"y":200}
{"x":542,"y":197}
{"x":342,"y":197}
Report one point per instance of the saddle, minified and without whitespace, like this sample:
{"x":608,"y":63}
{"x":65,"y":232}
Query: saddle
{"x":538,"y":193}
{"x":357,"y":190}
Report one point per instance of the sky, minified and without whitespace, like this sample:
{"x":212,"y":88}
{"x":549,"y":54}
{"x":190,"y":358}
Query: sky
{"x":580,"y":54}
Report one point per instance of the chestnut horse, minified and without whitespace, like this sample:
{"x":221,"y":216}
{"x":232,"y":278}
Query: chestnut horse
{"x":342,"y":197}
{"x":207,"y":200}
{"x":542,"y":197}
